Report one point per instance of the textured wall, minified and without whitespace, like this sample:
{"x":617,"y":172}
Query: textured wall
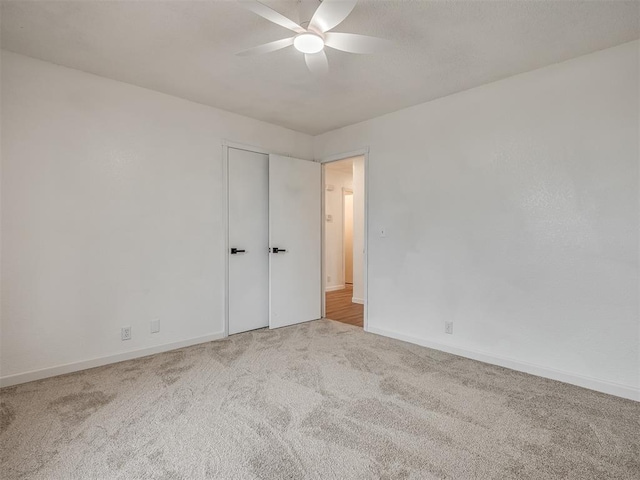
{"x":512,"y":210}
{"x":111,"y":213}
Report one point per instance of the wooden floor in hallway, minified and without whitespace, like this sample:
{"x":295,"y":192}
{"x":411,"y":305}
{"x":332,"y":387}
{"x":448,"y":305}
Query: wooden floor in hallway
{"x":339,"y":307}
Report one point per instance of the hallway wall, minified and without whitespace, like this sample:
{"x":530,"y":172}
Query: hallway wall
{"x":334,"y":275}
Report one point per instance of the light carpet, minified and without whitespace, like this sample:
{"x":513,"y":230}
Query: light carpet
{"x":321,"y":400}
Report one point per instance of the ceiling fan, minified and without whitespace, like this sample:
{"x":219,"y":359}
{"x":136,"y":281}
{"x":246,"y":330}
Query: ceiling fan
{"x":314,"y":37}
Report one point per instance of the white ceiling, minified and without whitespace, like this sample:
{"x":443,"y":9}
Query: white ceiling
{"x":186,"y":48}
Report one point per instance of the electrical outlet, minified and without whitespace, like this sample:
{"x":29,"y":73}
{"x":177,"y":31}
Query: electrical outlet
{"x":448,"y":328}
{"x":328,"y":278}
{"x":126,"y":333}
{"x":155,"y":326}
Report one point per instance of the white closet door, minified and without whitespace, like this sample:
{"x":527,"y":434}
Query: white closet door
{"x":249,"y":236}
{"x":294,"y":230}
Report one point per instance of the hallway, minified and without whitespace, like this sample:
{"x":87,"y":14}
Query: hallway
{"x":339,"y":307}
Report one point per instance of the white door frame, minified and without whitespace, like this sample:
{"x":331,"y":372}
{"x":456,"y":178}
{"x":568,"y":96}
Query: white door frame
{"x":362,"y":152}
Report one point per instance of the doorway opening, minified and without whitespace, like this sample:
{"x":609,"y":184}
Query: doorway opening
{"x":344,"y":237}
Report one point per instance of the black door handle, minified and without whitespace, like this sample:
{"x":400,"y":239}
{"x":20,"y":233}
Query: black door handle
{"x":236,"y":250}
{"x":277,"y":250}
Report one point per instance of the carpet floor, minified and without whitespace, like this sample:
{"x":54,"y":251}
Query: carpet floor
{"x":321,"y":400}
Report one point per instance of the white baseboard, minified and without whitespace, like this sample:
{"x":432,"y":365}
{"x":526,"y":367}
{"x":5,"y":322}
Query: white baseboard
{"x":619,"y":390}
{"x":32,"y":375}
{"x":334,"y":288}
{"x":357,"y":300}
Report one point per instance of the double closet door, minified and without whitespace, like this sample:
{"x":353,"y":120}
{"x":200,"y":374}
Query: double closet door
{"x":274,"y":241}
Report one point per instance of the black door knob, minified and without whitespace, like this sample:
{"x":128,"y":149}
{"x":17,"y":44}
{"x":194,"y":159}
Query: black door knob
{"x":234,"y":251}
{"x":277,"y":250}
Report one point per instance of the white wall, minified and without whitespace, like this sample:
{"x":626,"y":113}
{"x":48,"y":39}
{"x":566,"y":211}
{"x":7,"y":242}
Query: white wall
{"x":112,"y":215}
{"x":333,"y":258}
{"x":512,"y":210}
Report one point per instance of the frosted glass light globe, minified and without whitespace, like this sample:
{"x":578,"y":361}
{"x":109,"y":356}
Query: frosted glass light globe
{"x":308,"y":43}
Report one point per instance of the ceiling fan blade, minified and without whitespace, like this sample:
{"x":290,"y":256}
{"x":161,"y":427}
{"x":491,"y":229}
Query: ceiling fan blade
{"x":317,"y":63}
{"x":271,"y":15}
{"x":267,"y":47}
{"x":331,"y":13}
{"x":354,"y":43}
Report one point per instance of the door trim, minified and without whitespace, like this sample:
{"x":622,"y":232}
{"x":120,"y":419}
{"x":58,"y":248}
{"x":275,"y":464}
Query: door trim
{"x":362,"y":152}
{"x":225,"y":242}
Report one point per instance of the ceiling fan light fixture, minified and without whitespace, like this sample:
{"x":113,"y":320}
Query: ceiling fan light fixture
{"x":313,"y":36}
{"x":308,"y":42}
